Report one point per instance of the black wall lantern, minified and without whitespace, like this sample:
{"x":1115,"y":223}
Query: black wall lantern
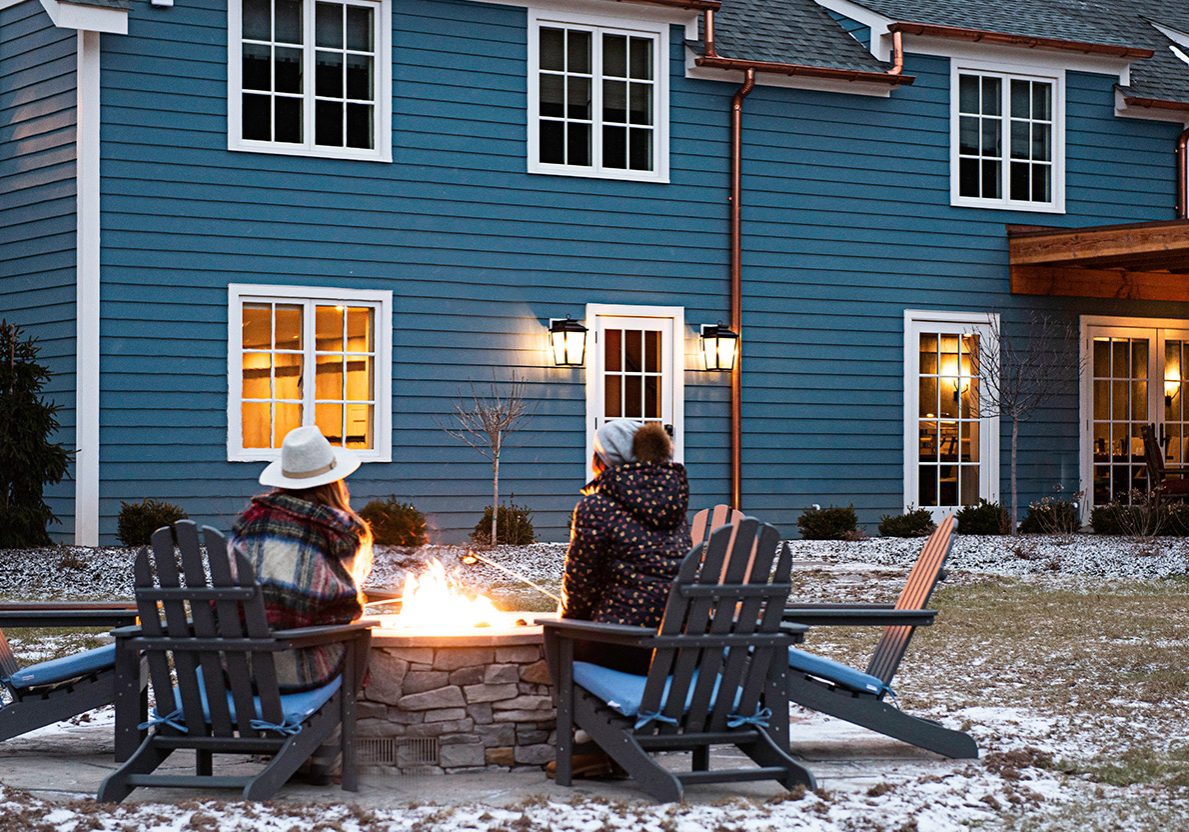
{"x":567,"y":342}
{"x":720,"y":346}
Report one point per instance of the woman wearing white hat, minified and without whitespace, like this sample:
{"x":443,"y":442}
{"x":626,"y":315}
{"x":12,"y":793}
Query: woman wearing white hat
{"x":310,"y":550}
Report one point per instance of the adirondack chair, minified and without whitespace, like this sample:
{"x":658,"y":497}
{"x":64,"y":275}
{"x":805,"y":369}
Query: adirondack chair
{"x":1176,"y":486}
{"x":861,"y":698}
{"x":709,"y":519}
{"x":717,"y":676}
{"x":226,"y":699}
{"x":45,"y":693}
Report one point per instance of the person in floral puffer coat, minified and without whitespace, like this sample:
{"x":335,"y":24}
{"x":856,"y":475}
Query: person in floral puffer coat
{"x":628,"y":537}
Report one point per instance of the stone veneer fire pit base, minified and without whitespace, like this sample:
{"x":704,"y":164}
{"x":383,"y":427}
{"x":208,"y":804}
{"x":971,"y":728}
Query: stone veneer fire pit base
{"x":484,"y":698}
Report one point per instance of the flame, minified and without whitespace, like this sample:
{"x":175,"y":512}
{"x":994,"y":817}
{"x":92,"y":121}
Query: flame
{"x":436,"y":601}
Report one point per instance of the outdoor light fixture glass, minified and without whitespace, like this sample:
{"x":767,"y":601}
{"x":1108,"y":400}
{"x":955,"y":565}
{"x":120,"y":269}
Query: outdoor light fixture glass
{"x":567,"y":340}
{"x":720,"y":346}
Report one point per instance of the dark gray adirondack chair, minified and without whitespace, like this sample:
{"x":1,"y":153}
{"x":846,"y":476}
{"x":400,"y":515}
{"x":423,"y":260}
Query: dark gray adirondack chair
{"x":709,"y":519}
{"x":861,"y":698}
{"x":226,"y":700}
{"x":45,"y":693}
{"x":717,"y":676}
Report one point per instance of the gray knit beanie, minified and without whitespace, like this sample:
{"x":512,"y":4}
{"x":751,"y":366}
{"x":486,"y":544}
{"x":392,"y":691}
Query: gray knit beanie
{"x":613,"y":441}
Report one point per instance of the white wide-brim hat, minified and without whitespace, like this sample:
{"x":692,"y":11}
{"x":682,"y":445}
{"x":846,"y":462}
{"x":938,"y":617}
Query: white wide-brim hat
{"x":308,"y":460}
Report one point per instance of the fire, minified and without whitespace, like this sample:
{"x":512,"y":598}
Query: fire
{"x":435,"y":601}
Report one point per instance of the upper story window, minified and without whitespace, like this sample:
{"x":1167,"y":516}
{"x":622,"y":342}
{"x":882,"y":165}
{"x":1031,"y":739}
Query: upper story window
{"x":1008,"y":141}
{"x":310,"y":77}
{"x":301,"y":356}
{"x":598,"y":99}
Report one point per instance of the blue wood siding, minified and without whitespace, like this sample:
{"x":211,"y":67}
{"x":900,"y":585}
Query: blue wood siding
{"x":37,"y":205}
{"x":847,"y":223}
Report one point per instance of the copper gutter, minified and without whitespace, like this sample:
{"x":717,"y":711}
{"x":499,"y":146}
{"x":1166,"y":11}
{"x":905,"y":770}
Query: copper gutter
{"x":1156,"y":103}
{"x":736,"y":200}
{"x":1182,"y":175}
{"x":982,"y":36}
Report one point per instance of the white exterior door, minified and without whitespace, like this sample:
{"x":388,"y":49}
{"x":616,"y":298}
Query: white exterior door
{"x":635,"y":368}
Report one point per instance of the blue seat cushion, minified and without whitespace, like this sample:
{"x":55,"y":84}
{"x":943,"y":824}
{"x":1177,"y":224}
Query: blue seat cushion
{"x":623,"y":692}
{"x":296,"y":708}
{"x":65,"y":668}
{"x":836,"y":672}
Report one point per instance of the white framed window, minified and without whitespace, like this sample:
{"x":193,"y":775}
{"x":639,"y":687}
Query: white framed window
{"x":598,"y":97}
{"x":635,"y":368}
{"x":1007,"y":138}
{"x":951,"y":453}
{"x":310,"y":77}
{"x":308,"y":356}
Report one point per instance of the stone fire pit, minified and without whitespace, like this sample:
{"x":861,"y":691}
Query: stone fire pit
{"x":458,"y":701}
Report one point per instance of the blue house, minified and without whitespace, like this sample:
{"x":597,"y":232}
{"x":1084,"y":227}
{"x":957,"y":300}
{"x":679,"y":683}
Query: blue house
{"x":227,"y":218}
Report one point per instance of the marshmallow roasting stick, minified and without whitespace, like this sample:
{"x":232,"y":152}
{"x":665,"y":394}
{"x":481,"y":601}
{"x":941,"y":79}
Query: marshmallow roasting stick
{"x":471,"y":558}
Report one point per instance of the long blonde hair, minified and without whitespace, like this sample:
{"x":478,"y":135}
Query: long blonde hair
{"x":336,"y":495}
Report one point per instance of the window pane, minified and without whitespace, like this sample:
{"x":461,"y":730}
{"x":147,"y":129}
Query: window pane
{"x":578,"y":51}
{"x":992,"y":91}
{"x":641,"y":101}
{"x":968,"y":135}
{"x":360,"y":81}
{"x":328,"y":74}
{"x":328,"y":328}
{"x":1102,"y":357}
{"x":552,"y":96}
{"x":927,"y":490}
{"x":641,"y":148}
{"x":991,"y":137}
{"x":652,"y":351}
{"x":968,"y":94}
{"x":970,"y":476}
{"x":947,"y":485}
{"x":578,"y":103}
{"x":286,"y":417}
{"x":615,"y":101}
{"x":360,"y":419}
{"x":613,"y":339}
{"x":360,"y":125}
{"x":257,"y":367}
{"x":287,"y":119}
{"x":1042,"y":183}
{"x":360,"y":29}
{"x":968,"y":184}
{"x":1019,"y":140}
{"x":1021,"y":99}
{"x":328,"y":377}
{"x":1042,"y":101}
{"x":927,"y":449}
{"x":552,"y":142}
{"x":360,"y":381}
{"x":928,"y":396}
{"x":288,"y":22}
{"x":1042,"y":142}
{"x":287,"y":375}
{"x":615,"y":56}
{"x":329,"y":25}
{"x":328,"y":123}
{"x":553,"y":49}
{"x":288,"y":334}
{"x":359,"y":329}
{"x":633,"y":395}
{"x":257,"y":326}
{"x":257,"y":426}
{"x":288,"y":69}
{"x":992,"y":171}
{"x":329,"y":418}
{"x":970,"y":440}
{"x":257,"y":117}
{"x":642,"y":58}
{"x":257,"y":19}
{"x":1139,"y":358}
{"x":1020,"y":181}
{"x":257,"y":69}
{"x":615,"y":147}
{"x":578,"y":144}
{"x":633,"y":351}
{"x":929,"y":354}
{"x":1139,"y":401}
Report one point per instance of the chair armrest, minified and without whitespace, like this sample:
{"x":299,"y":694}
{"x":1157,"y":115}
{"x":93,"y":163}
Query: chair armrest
{"x":577,"y":629}
{"x":859,"y":617}
{"x":797,"y":631}
{"x":131,"y":631}
{"x":329,"y":634}
{"x":843,"y":605}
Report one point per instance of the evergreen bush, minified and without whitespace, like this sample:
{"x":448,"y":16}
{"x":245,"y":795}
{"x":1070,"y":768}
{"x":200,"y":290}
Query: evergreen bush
{"x":983,"y":518}
{"x":138,"y":521}
{"x":913,"y":523}
{"x":1051,"y":516}
{"x":395,"y":523}
{"x":29,"y":461}
{"x":832,"y":523}
{"x":514,"y":526}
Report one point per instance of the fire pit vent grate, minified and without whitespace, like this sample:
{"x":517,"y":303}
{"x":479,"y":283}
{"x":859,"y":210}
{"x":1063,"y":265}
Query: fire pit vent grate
{"x":410,"y":755}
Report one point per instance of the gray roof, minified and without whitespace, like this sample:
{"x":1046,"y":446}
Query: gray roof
{"x":802,"y":32}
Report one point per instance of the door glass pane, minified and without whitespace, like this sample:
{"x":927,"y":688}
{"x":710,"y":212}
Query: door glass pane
{"x":633,"y":351}
{"x":633,"y":394}
{"x":652,"y":351}
{"x":948,"y":422}
{"x":613,"y":338}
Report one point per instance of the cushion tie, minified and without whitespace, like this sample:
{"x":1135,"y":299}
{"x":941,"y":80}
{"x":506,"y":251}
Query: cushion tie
{"x":173,"y":720}
{"x":759,"y":718}
{"x":288,"y":729}
{"x":653,"y":716}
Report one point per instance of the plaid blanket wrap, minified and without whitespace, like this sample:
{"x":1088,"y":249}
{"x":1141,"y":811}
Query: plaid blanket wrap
{"x":299,"y":550}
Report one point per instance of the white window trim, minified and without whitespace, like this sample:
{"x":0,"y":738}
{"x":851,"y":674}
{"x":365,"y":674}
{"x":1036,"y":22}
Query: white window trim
{"x":236,"y":295}
{"x":383,"y":115}
{"x":1008,"y":71}
{"x":958,"y":323}
{"x":630,"y":26}
{"x":677,"y":364}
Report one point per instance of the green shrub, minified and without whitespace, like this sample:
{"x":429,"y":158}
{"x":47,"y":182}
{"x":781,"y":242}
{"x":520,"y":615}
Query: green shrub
{"x":514,"y":526}
{"x":1051,"y":516}
{"x":138,"y":521}
{"x":913,"y":523}
{"x":395,"y":523}
{"x":831,"y":523}
{"x":984,"y":518}
{"x":1145,"y":517}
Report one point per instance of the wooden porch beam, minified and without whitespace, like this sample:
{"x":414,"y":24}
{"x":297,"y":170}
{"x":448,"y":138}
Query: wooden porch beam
{"x":1099,"y":283}
{"x":1085,"y":245}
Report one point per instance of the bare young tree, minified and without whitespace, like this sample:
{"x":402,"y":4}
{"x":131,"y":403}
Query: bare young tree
{"x":485,"y":422}
{"x":1020,"y":374}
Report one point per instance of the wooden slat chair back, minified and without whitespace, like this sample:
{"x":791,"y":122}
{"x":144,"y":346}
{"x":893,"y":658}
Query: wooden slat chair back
{"x":709,"y":519}
{"x":922,"y":580}
{"x":8,"y":662}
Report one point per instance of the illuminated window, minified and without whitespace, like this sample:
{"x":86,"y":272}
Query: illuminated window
{"x":308,"y":357}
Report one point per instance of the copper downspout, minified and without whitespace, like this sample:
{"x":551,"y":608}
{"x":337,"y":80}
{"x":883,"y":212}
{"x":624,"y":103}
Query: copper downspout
{"x":1183,"y":175}
{"x":736,"y":200}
